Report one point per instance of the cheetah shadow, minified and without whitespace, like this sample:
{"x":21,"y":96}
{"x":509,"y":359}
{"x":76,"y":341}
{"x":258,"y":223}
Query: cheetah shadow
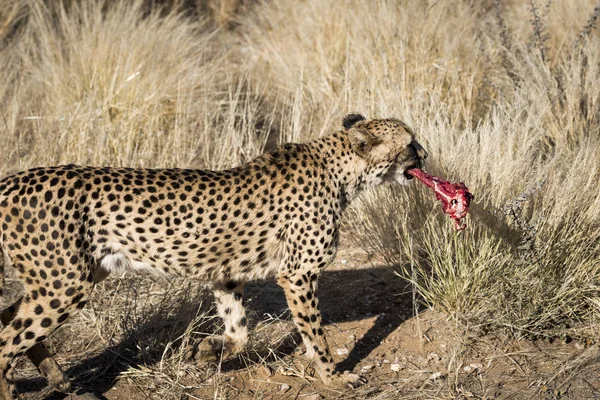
{"x":345,"y":296}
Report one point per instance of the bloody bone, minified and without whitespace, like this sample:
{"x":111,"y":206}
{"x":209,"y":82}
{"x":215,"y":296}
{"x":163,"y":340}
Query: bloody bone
{"x":455,"y":197}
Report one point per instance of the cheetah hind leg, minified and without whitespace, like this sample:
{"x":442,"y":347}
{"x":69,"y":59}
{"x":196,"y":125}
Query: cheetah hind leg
{"x":40,"y":356}
{"x":49,"y":368}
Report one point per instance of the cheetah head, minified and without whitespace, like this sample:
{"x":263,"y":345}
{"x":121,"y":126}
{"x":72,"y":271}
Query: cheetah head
{"x":388,"y":146}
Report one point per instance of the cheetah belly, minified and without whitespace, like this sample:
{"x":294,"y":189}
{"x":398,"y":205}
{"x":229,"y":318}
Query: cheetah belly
{"x":117,"y":257}
{"x":123,"y":251}
{"x":121,"y":261}
{"x":118,"y":260}
{"x":262,"y":271}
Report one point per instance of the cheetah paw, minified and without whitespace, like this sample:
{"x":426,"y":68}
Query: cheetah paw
{"x":208,"y":350}
{"x":214,"y":349}
{"x":348,"y":380}
{"x":55,"y":376}
{"x":60,"y":381}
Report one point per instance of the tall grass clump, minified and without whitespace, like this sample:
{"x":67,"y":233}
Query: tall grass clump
{"x":382,"y":58}
{"x":116,"y":83}
{"x":504,"y":99}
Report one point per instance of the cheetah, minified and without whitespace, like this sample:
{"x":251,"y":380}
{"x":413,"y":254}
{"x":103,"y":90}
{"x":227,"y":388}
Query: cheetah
{"x":66,"y":228}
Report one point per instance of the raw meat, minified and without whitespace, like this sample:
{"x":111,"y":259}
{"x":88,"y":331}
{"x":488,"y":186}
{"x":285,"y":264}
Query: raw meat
{"x":455,"y":196}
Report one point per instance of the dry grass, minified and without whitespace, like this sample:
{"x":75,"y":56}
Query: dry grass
{"x":120,"y":85}
{"x":505,"y":96}
{"x":503,"y":99}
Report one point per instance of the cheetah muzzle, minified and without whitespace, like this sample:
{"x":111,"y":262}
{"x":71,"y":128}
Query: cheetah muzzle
{"x":66,"y":228}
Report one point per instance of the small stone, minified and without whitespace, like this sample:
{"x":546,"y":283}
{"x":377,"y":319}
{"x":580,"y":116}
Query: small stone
{"x":264,"y":371}
{"x":420,"y":360}
{"x":473,"y":367}
{"x":284,"y":387}
{"x":342,"y":351}
{"x":395,"y":367}
{"x":315,"y":396}
{"x":436,"y":376}
{"x":579,"y":346}
{"x":366,"y":368}
{"x":344,"y":261}
{"x":386,"y":361}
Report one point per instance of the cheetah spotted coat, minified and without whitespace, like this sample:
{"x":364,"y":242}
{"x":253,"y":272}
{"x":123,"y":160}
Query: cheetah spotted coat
{"x":66,"y":228}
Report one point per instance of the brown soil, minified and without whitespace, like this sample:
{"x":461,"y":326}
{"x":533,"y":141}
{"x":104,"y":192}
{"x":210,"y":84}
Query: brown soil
{"x":371,"y":330}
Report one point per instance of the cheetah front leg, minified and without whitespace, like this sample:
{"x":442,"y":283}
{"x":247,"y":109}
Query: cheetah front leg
{"x":229,"y":301}
{"x":301,"y":293}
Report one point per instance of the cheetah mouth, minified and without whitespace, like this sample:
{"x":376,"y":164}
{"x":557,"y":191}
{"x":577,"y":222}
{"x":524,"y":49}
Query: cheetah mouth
{"x":407,"y":175}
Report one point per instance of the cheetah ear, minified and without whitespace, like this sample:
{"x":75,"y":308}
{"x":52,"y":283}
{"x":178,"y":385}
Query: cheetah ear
{"x":362,"y":141}
{"x":349,"y":120}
